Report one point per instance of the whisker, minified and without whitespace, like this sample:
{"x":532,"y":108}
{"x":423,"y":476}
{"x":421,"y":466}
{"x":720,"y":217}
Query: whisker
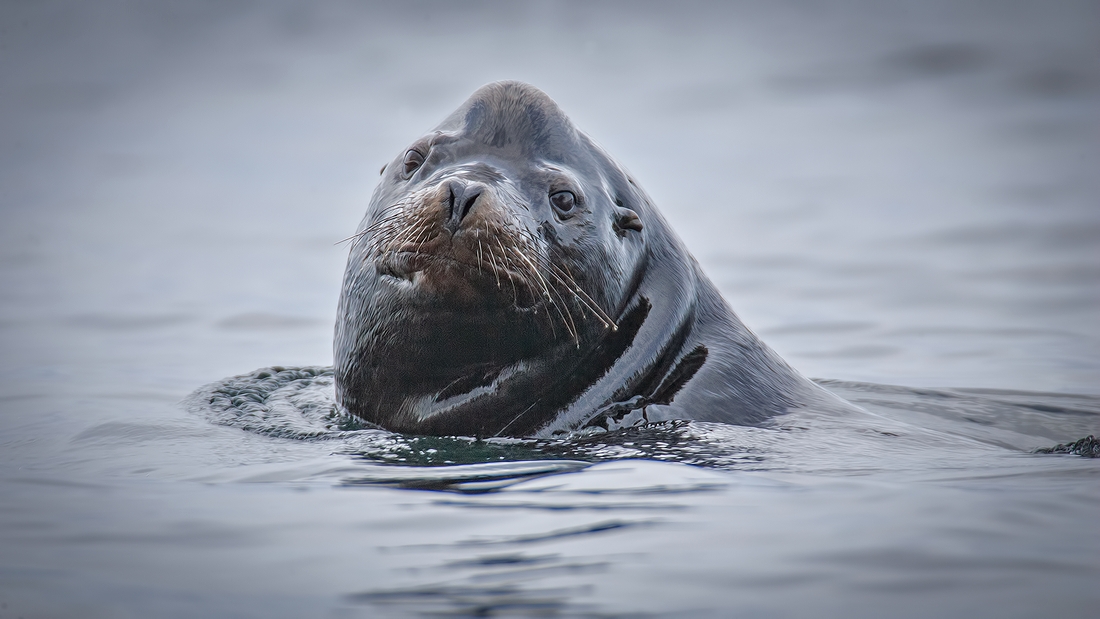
{"x":515,"y":293}
{"x":534,"y":269}
{"x":515,"y":419}
{"x":477,"y":236}
{"x":421,"y":238}
{"x":578,"y":292}
{"x":559,"y":306}
{"x":567,"y":322}
{"x":354,"y":236}
{"x":496,"y":267}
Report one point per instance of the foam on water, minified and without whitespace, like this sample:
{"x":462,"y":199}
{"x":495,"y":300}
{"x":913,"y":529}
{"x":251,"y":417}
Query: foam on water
{"x":896,"y":430}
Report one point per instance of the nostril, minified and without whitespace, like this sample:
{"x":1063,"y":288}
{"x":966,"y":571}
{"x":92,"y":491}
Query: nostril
{"x":468,"y":202}
{"x":463,"y":197}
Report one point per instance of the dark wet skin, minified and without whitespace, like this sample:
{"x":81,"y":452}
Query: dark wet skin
{"x":510,"y":279}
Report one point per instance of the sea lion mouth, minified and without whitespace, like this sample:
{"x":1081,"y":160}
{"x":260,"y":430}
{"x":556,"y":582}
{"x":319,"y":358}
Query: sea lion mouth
{"x":404,"y":263}
{"x":505,"y":279}
{"x":433,"y":273}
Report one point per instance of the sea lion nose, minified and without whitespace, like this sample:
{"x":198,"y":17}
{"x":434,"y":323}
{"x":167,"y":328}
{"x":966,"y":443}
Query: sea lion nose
{"x":463,"y":195}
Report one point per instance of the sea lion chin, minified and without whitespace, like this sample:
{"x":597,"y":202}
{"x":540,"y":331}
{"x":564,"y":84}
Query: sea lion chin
{"x":510,"y":279}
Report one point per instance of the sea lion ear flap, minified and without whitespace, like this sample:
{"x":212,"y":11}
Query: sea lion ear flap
{"x":626,"y":219}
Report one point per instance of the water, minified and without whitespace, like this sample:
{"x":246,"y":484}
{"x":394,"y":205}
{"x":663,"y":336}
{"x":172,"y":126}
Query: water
{"x":900,"y":198}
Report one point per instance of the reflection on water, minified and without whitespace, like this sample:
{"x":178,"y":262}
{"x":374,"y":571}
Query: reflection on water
{"x":900,"y":197}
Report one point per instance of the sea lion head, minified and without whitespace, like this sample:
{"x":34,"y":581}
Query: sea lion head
{"x":490,"y":274}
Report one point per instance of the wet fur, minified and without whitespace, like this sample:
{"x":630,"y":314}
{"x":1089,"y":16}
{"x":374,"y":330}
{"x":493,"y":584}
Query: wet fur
{"x":513,"y":319}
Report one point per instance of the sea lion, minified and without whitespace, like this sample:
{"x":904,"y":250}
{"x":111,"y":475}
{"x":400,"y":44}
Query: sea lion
{"x":511,"y":279}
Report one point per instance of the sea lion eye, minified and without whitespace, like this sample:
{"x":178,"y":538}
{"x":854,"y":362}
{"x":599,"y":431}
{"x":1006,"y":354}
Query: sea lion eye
{"x":413,"y":161}
{"x":564,"y":201}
